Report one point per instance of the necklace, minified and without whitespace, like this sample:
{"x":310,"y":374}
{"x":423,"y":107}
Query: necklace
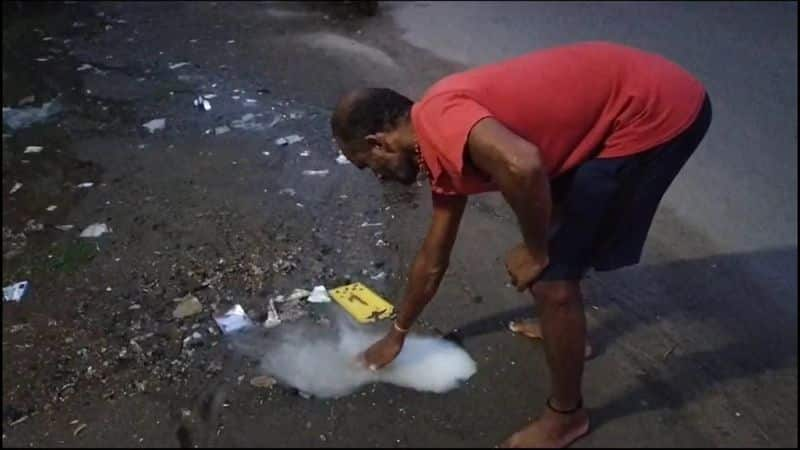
{"x":421,"y":161}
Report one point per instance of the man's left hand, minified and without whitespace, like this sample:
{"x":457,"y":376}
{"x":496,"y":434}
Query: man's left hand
{"x":524,"y":265}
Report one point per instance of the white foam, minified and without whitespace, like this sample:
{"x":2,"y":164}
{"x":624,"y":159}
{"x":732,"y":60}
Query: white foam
{"x":322,"y":360}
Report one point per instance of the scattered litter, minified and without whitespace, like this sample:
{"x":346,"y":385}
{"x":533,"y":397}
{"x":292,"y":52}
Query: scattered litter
{"x":187,"y":306}
{"x":286,"y":140}
{"x":201,"y":102}
{"x":263,"y":381}
{"x":341,"y":159}
{"x":319,"y":173}
{"x":273,"y":320}
{"x":15,"y":188}
{"x":288,"y":191}
{"x":381,"y":243}
{"x":235,"y":97}
{"x":155,"y":124}
{"x":18,"y":421}
{"x":368,"y":224}
{"x":42,"y":59}
{"x":378,"y":276}
{"x":265,"y":153}
{"x":65,"y":227}
{"x":14,"y":292}
{"x":231,"y":41}
{"x":246,"y":122}
{"x":233,"y":320}
{"x":33,"y":149}
{"x":52,"y":208}
{"x":319,"y":295}
{"x":362,"y":303}
{"x":79,"y":429}
{"x":16,"y":118}
{"x":17,"y":328}
{"x":305,"y":153}
{"x":221,"y":130}
{"x":298,"y":294}
{"x":95,"y":230}
{"x":250,"y":100}
{"x":86,"y":184}
{"x":27,"y":100}
{"x":84,"y":66}
{"x":299,"y":205}
{"x":33,"y":225}
{"x":178,"y":65}
{"x":209,"y":96}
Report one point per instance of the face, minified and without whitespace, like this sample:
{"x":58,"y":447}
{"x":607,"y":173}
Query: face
{"x":385,"y":156}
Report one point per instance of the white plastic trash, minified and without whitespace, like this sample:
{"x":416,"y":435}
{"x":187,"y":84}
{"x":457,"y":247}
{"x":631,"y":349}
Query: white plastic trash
{"x":14,"y":292}
{"x":319,"y":295}
{"x":233,"y":320}
{"x":95,"y":230}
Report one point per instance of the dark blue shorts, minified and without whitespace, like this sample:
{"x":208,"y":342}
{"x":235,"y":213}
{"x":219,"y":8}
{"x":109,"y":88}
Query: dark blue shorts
{"x":608,"y":205}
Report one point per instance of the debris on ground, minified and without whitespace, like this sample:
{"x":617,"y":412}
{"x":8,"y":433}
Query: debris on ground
{"x":84,"y":66}
{"x":317,"y":173}
{"x":178,"y":65}
{"x":221,"y":130}
{"x":32,"y":225}
{"x":79,"y":429}
{"x":319,"y":295}
{"x":15,"y":188}
{"x":27,"y":100}
{"x":378,"y":276}
{"x":341,"y":159}
{"x":65,"y":227}
{"x":14,"y":292}
{"x":86,"y":184}
{"x":52,"y":208}
{"x":286,"y":140}
{"x":263,"y":381}
{"x":155,"y":125}
{"x":188,"y":306}
{"x":288,"y":191}
{"x":273,"y":320}
{"x":202,"y":102}
{"x":95,"y":230}
{"x":16,"y":118}
{"x":366,"y":224}
{"x":233,"y":320}
{"x":381,"y":243}
{"x":33,"y":149}
{"x":298,"y":294}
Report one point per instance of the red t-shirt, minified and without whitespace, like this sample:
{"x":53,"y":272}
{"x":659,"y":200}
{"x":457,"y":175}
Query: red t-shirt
{"x":577,"y":102}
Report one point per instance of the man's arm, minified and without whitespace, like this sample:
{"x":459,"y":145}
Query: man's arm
{"x":426,"y":273}
{"x":432,"y":259}
{"x":516,"y":166}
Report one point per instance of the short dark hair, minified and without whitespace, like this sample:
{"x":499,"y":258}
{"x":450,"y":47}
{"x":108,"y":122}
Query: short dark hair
{"x":367,"y":111}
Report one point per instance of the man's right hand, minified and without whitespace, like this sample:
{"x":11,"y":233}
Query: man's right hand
{"x":383,"y":352}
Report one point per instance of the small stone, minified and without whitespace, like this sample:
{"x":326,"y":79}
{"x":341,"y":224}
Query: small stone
{"x":188,"y":306}
{"x":263,"y":381}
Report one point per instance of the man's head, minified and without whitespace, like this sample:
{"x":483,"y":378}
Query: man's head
{"x":373,"y":128}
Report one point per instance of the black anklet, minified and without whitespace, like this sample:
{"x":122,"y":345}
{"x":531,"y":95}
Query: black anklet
{"x":571,"y":411}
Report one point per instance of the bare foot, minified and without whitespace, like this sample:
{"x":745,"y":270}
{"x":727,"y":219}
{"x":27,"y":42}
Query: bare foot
{"x":551,"y":430}
{"x":531,"y":328}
